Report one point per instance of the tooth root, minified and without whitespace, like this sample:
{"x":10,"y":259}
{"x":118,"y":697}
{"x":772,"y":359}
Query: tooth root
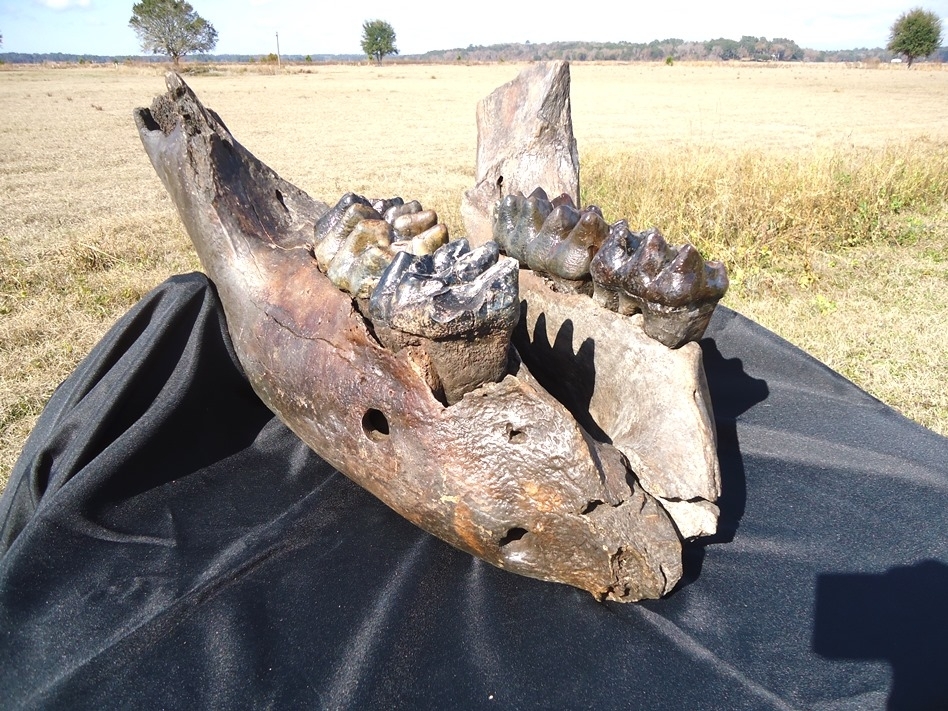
{"x":329,"y":241}
{"x":459,"y":306}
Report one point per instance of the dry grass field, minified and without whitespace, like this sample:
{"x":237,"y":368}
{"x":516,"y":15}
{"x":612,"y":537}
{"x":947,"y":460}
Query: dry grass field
{"x":824,"y":187}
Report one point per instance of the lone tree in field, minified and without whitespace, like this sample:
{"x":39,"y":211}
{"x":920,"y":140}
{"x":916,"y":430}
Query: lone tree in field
{"x":917,"y":33}
{"x":378,"y":39}
{"x":171,"y":27}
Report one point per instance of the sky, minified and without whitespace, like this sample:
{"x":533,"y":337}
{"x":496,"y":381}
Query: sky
{"x":319,"y":27}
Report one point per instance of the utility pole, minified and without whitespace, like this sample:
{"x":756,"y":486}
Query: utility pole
{"x":279,"y":59}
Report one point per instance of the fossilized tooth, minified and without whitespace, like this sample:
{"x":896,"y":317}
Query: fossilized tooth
{"x":406,"y":208}
{"x":363,"y":256}
{"x":328,"y":241}
{"x":460,"y":307}
{"x":674,"y":288}
{"x":383,"y":205}
{"x":563,"y":245}
{"x":356,"y":240}
{"x":506,"y":473}
{"x":412,"y":224}
{"x":518,"y":220}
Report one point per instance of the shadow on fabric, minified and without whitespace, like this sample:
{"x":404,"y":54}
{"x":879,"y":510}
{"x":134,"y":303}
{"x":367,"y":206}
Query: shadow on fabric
{"x":898,"y":617}
{"x":733,"y":392}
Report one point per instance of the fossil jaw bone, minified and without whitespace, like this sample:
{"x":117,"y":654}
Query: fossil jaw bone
{"x":505,"y":473}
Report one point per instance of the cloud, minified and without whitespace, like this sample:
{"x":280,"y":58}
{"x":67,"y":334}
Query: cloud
{"x":64,"y":4}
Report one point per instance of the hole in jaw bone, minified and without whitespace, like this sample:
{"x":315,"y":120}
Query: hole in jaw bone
{"x":375,"y":425}
{"x":513,"y":534}
{"x":514,"y":435}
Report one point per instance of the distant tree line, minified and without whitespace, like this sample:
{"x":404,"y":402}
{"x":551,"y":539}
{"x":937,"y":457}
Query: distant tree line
{"x":63,"y":58}
{"x":748,"y":48}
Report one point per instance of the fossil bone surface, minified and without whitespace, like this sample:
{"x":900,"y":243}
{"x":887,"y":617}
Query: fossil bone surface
{"x":505,"y":472}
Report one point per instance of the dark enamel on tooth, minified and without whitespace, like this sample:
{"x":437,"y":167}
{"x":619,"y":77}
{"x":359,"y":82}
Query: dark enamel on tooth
{"x":518,"y":220}
{"x":355,"y":241}
{"x":458,"y":306}
{"x":674,"y":288}
{"x":331,"y":234}
{"x":625,"y":271}
{"x":551,"y":237}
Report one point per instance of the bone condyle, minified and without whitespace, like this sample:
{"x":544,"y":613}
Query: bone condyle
{"x":422,"y":367}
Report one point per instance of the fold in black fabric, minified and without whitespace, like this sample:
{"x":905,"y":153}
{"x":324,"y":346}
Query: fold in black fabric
{"x":166,"y":543}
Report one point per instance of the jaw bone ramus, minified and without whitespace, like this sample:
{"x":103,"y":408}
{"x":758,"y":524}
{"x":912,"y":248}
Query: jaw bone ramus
{"x":484,"y":458}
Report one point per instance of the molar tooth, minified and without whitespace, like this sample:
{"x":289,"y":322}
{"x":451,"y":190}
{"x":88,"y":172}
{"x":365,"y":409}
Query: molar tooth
{"x":404,"y":209}
{"x":540,"y":250}
{"x":362,"y":257}
{"x":330,"y":235}
{"x":572,"y":256}
{"x":412,"y":224}
{"x":674,"y":288}
{"x":383,"y":205}
{"x":458,"y":306}
{"x":518,"y":220}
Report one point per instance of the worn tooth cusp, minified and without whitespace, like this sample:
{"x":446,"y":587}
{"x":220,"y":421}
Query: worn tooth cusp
{"x":674,"y":288}
{"x":356,"y":240}
{"x":551,"y":237}
{"x":458,"y":306}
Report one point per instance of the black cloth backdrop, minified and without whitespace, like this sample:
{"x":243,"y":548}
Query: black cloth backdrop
{"x":167,"y":543}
